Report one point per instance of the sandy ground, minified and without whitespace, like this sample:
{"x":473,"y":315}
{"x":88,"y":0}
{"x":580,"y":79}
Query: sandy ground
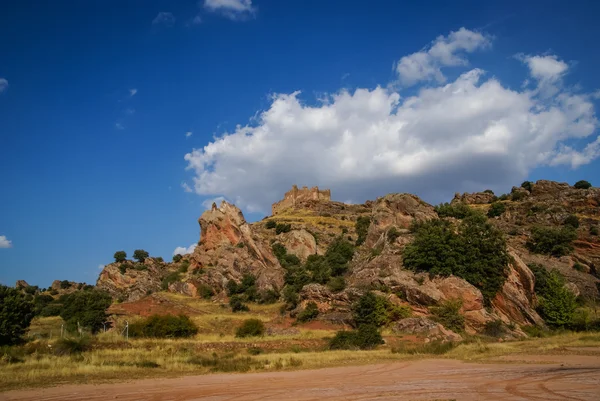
{"x":568,"y":377}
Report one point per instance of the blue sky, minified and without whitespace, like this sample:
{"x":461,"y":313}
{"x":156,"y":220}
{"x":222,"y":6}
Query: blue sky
{"x":96,"y":98}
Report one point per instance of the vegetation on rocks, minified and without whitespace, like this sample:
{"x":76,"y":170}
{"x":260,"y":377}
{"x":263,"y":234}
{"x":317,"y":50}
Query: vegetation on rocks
{"x":448,"y":315}
{"x":552,"y":241}
{"x":367,"y":336}
{"x":166,"y":326}
{"x":16,"y":313}
{"x":250,"y":328}
{"x":120,"y":256}
{"x":474,"y":251}
{"x":582,"y":184}
{"x":457,"y":210}
{"x":85,"y":309}
{"x":557,"y":304}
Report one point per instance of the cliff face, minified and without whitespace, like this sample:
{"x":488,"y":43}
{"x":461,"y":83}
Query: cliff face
{"x":229,"y":247}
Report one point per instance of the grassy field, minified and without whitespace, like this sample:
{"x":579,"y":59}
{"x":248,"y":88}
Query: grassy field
{"x":44,"y":361}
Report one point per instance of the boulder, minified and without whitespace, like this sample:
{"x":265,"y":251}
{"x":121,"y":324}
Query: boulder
{"x":475,"y":198}
{"x":300,"y":243}
{"x":427,"y":328}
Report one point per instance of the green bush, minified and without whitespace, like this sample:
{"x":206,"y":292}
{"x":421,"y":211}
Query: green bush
{"x":51,"y":310}
{"x":557,"y":304}
{"x":237,"y":304}
{"x":488,"y":191}
{"x":309,"y":313}
{"x":362,"y":229}
{"x":269,"y":297}
{"x":205,"y":291}
{"x":177,"y":258}
{"x":365,"y":337}
{"x":282,"y":228}
{"x":336,"y":284}
{"x":371,"y":310}
{"x":184,"y":266}
{"x":70,"y":346}
{"x":579,"y":267}
{"x":594,"y":230}
{"x":270,"y":224}
{"x":517,"y":196}
{"x":448,"y":315}
{"x":250,"y":328}
{"x":582,"y":185}
{"x":552,"y":241}
{"x":476,"y":253}
{"x":494,"y":328}
{"x":86,"y":308}
{"x":164,"y":326}
{"x":496,"y":209}
{"x":170,"y":278}
{"x":457,"y":210}
{"x":290,"y":296}
{"x":140,"y":255}
{"x":16,"y":313}
{"x":436,"y":347}
{"x":65,"y":284}
{"x":120,"y":256}
{"x":123,"y":267}
{"x":504,"y":197}
{"x":528,"y":185}
{"x":392,"y":235}
{"x":572,"y":221}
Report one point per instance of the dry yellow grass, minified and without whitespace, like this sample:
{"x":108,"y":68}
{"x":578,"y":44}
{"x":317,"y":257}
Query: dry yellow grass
{"x":114,"y":359}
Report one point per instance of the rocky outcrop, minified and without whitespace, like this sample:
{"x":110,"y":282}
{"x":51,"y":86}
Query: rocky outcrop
{"x":427,"y":328}
{"x":128,"y":281}
{"x":228,"y":249}
{"x":21,"y":284}
{"x":475,"y":198}
{"x":300,"y":243}
{"x":516,"y":301}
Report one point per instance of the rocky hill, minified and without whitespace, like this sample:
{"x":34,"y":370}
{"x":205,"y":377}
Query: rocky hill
{"x":230,"y":248}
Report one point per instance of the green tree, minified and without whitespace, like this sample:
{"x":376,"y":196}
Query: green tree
{"x":457,"y":210}
{"x":177,"y":258}
{"x":476,"y":252}
{"x":557,"y":304}
{"x":496,"y":209}
{"x":120,"y":256}
{"x":572,"y":221}
{"x":140,"y":255}
{"x":270,"y":224}
{"x":582,"y":184}
{"x":362,"y":229}
{"x":528,"y":185}
{"x":309,"y":313}
{"x":236,"y":303}
{"x":250,"y":328}
{"x":16,"y":313}
{"x":88,"y":308}
{"x":552,"y":241}
{"x":371,"y":310}
{"x":165,"y":326}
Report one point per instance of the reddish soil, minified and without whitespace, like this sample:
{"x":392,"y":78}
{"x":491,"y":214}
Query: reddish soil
{"x":545,"y":378}
{"x":152,"y":305}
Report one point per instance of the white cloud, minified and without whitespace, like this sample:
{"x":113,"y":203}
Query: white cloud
{"x":425,"y":65}
{"x":164,"y":18}
{"x":188,"y":134}
{"x":232,"y":9}
{"x":3,"y":84}
{"x":181,"y":250}
{"x":547,"y":70}
{"x":5,"y":242}
{"x":100,"y":267}
{"x":119,"y":126}
{"x":186,"y":187}
{"x":132,"y":92}
{"x":469,"y":134}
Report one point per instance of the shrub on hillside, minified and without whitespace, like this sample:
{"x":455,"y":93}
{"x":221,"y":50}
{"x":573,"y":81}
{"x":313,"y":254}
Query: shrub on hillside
{"x":362,"y":228}
{"x":177,"y":258}
{"x":365,"y":337}
{"x":205,"y":291}
{"x":517,"y":196}
{"x":557,"y":304}
{"x":140,"y":255}
{"x":552,"y":241}
{"x":250,"y":328}
{"x":164,"y":326}
{"x":120,"y":256}
{"x":85,"y":309}
{"x":371,"y":309}
{"x":572,"y":221}
{"x":583,"y":184}
{"x":170,"y":278}
{"x":457,"y":210}
{"x":237,"y":304}
{"x":392,"y":235}
{"x":70,"y":346}
{"x":270,"y":224}
{"x":448,"y":315}
{"x":283,"y":228}
{"x":528,"y":185}
{"x":594,"y":230}
{"x":496,"y":209}
{"x":336,"y":284}
{"x":309,"y":313}
{"x":476,"y":253}
{"x":16,"y":313}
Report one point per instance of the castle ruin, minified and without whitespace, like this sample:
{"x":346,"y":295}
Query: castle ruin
{"x":293,"y":197}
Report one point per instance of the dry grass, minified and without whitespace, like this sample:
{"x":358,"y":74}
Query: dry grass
{"x":112,"y":359}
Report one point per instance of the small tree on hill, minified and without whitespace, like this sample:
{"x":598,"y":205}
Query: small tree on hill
{"x":496,"y":209}
{"x":177,"y":258}
{"x":16,"y":313}
{"x":140,"y":255}
{"x":583,"y":184}
{"x":528,"y":185}
{"x":86,"y":309}
{"x":120,"y":256}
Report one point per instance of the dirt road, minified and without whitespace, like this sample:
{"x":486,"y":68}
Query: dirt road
{"x":542,"y":378}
